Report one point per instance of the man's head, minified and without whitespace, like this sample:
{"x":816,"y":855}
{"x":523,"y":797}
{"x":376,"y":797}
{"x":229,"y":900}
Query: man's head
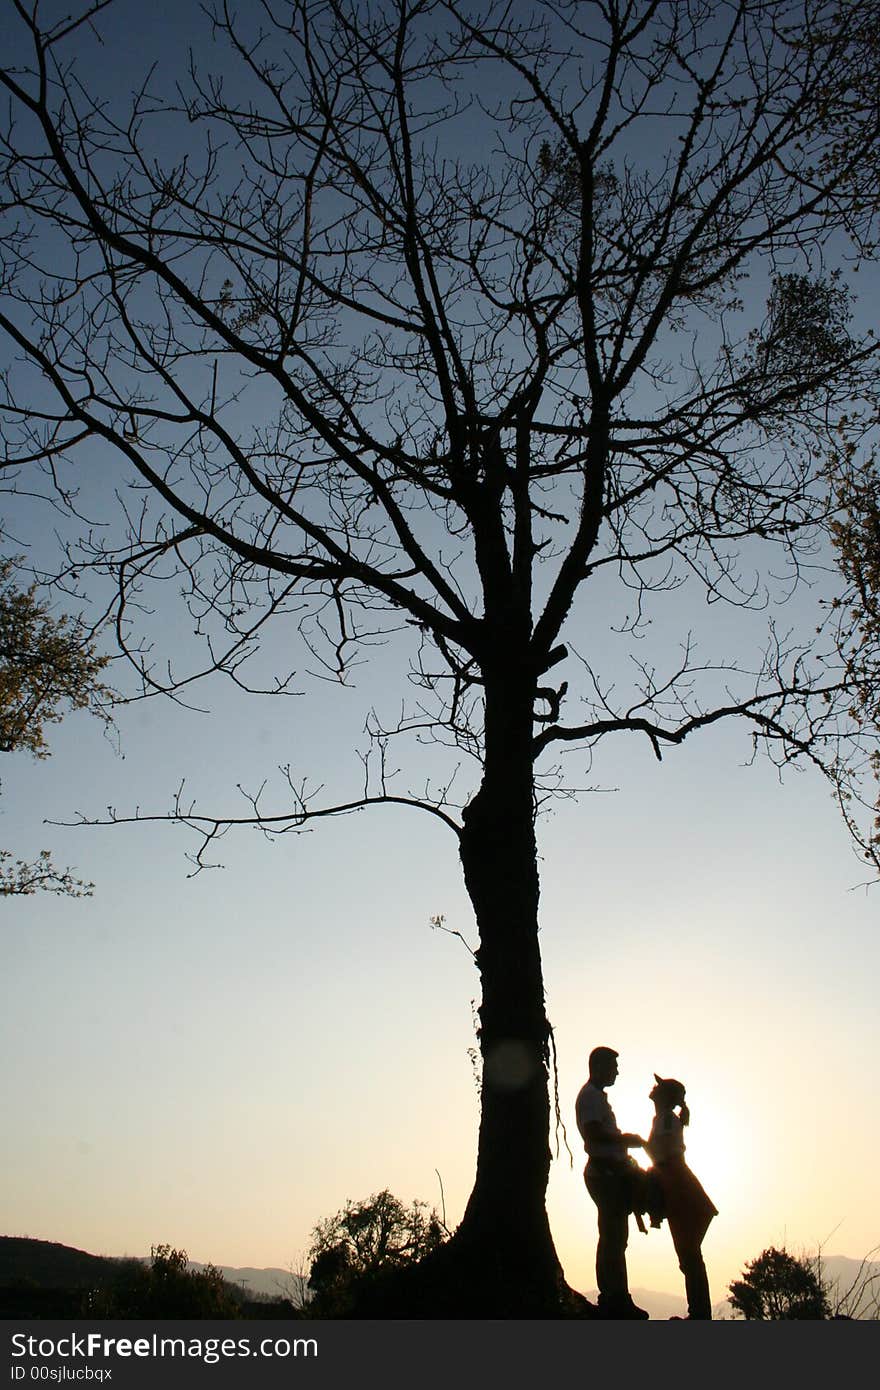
{"x":603,"y":1066}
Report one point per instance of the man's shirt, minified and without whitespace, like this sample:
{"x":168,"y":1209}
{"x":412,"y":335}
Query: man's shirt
{"x":592,"y":1107}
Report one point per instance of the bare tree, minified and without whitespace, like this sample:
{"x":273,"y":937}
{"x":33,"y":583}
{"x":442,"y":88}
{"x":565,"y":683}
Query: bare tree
{"x":857,"y":1294}
{"x":475,"y":278}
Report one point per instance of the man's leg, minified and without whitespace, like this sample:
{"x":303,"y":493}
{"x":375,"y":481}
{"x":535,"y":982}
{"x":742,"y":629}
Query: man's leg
{"x":611,"y":1275}
{"x":610,"y":1195}
{"x":613,"y":1236}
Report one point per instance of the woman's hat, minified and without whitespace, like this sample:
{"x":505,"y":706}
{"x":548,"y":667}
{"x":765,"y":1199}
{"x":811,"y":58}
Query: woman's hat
{"x":669,"y":1087}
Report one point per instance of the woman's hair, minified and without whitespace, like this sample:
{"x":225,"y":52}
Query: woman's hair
{"x":670,"y":1092}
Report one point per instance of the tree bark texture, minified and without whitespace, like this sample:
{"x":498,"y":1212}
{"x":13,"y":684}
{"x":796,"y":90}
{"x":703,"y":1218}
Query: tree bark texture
{"x":501,"y":1261}
{"x":505,"y":1219}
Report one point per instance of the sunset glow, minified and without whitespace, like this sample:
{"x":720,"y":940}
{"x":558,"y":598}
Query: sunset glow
{"x":313,"y":867}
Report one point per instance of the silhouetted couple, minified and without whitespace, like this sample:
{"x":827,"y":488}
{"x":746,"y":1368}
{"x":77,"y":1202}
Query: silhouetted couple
{"x":619,"y":1186}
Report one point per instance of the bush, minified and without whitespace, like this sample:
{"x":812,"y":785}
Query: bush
{"x":779,"y":1286}
{"x":166,"y":1288}
{"x":362,"y":1244}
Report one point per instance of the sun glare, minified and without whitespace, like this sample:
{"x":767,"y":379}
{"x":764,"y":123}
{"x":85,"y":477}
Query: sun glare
{"x":715,"y":1152}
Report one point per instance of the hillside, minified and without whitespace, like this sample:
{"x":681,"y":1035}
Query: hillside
{"x":44,"y":1279}
{"x":49,"y":1266}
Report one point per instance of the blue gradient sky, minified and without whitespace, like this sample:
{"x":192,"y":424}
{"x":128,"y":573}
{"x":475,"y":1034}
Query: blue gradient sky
{"x":219,"y":1062}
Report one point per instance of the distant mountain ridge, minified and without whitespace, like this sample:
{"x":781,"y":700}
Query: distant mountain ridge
{"x":51,"y":1265}
{"x":271,"y":1282}
{"x":661,"y":1306}
{"x":54,"y":1266}
{"x":841,"y":1273}
{"x":44,"y":1279}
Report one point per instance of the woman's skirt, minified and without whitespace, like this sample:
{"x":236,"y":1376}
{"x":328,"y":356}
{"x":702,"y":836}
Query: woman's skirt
{"x":688,"y":1207}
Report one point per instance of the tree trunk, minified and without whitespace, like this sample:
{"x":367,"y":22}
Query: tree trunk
{"x":505,"y":1228}
{"x":501,"y":1262}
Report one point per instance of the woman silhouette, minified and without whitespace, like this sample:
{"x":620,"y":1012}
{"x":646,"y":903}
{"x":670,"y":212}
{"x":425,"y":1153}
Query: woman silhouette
{"x":686,"y":1206}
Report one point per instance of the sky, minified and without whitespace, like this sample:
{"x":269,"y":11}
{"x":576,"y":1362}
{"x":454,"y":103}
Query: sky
{"x":220,"y":1061}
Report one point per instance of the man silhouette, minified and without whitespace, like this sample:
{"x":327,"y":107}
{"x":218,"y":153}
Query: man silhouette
{"x":610,"y":1176}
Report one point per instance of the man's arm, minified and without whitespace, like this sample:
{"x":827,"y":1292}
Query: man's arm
{"x":597,"y":1133}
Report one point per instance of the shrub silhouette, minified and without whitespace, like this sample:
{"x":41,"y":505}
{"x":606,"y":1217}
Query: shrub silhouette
{"x":362,"y":1244}
{"x":166,"y":1288}
{"x":779,"y":1286}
